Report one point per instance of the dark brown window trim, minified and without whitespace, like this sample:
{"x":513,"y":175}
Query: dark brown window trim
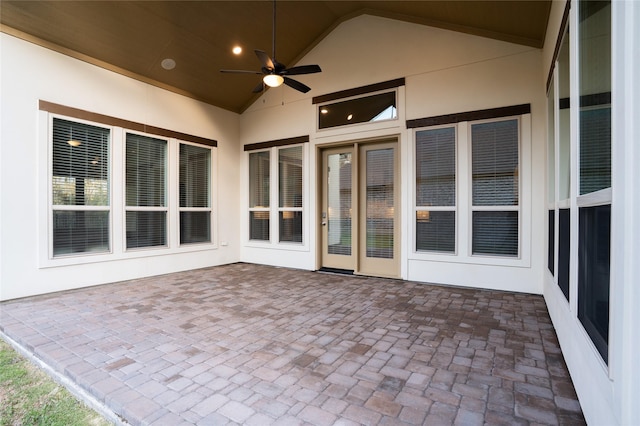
{"x":556,"y":52}
{"x":595,"y":99}
{"x":482,"y":114}
{"x":391,"y":84}
{"x":114,"y":121}
{"x":277,"y":142}
{"x":588,"y":100}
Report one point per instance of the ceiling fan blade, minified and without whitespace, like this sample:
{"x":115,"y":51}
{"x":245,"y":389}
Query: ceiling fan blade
{"x":302,"y":69}
{"x":265,"y":60}
{"x":241,"y":72}
{"x":259,"y":88}
{"x":296,"y":85}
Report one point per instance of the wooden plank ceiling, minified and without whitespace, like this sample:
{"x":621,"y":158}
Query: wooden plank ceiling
{"x":133,"y":37}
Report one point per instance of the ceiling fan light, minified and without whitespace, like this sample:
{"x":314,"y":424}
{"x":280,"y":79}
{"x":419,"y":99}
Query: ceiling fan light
{"x":273,"y":80}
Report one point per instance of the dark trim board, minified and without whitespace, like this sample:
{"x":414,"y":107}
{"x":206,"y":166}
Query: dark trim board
{"x":556,"y":52}
{"x":391,"y":84}
{"x":114,"y":121}
{"x":276,"y":142}
{"x":483,"y":114}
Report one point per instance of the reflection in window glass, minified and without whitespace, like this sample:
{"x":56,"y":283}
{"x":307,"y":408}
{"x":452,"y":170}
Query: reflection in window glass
{"x":339,"y":204}
{"x":595,"y":95}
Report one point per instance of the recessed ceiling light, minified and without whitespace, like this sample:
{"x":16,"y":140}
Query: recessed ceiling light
{"x":237,"y":50}
{"x":168,"y":64}
{"x":349,"y":117}
{"x":324,"y":111}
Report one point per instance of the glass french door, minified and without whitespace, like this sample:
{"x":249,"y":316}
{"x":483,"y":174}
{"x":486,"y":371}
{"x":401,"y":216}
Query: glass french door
{"x":337,"y":209}
{"x":359,"y":215}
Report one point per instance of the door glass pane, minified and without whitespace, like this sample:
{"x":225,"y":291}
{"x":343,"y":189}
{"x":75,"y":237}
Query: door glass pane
{"x":339,"y":203}
{"x":380,"y":203}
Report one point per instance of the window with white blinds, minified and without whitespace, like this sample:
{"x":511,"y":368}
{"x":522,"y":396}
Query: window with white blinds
{"x":436,"y":190}
{"x":195,"y":194}
{"x":290,"y":194}
{"x":145,"y":193}
{"x":495,"y":188}
{"x":80,"y":185}
{"x":259,"y":195}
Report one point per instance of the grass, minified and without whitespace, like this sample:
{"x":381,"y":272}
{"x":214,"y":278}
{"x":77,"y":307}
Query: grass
{"x":28,"y":396}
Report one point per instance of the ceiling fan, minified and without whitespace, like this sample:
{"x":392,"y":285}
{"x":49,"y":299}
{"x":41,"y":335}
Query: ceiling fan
{"x":274,"y":72}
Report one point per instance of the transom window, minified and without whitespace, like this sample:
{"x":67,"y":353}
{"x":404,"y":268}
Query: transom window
{"x":367,"y":109}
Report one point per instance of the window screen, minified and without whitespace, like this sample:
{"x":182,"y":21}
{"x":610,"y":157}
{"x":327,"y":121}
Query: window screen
{"x":495,"y":188}
{"x":80,"y":188}
{"x":564,"y":249}
{"x":436,"y":190}
{"x":594,"y":249}
{"x":145,"y":176}
{"x":290,"y":194}
{"x":195,"y":211}
{"x":551,"y":233}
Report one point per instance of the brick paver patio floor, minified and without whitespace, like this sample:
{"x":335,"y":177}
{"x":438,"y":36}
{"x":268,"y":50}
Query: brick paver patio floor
{"x":258,"y":345}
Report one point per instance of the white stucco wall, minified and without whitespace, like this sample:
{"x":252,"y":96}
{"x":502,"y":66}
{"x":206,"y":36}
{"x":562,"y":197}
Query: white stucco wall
{"x":445,"y":72}
{"x":31,"y":73}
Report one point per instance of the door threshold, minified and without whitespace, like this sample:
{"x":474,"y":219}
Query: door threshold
{"x":336,"y":271}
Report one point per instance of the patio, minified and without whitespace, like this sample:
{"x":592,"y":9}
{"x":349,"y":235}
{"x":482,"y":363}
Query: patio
{"x":258,"y":345}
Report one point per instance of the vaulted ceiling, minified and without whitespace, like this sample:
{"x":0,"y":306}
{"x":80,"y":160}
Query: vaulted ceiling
{"x":134,"y":37}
